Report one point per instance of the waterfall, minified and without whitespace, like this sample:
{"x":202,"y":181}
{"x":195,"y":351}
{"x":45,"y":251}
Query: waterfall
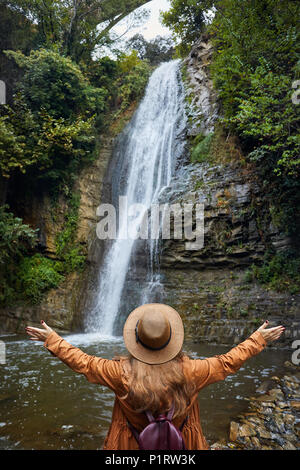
{"x":144,"y":163}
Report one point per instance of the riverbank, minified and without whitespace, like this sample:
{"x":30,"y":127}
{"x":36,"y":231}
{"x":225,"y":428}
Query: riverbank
{"x":272,"y":421}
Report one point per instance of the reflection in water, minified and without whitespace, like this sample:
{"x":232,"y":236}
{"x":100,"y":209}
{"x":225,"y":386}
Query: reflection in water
{"x":45,"y":405}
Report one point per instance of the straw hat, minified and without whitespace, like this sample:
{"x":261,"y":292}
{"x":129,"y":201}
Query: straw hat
{"x":153,"y":333}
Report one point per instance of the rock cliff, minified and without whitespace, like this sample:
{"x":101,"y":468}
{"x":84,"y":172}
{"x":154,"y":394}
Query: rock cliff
{"x":208,"y":286}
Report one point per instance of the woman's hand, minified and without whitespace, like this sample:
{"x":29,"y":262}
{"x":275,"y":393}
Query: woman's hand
{"x":270,"y":334}
{"x":37,"y":334}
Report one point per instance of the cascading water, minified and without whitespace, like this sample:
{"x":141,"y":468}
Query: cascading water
{"x":145,"y":160}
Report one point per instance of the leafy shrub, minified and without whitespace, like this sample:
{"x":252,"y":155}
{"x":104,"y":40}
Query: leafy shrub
{"x":42,"y":146}
{"x":67,"y":249}
{"x":253,"y":74}
{"x":36,"y":275}
{"x":56,"y":84}
{"x":15,"y":237}
{"x":131,"y":84}
{"x":49,"y":130}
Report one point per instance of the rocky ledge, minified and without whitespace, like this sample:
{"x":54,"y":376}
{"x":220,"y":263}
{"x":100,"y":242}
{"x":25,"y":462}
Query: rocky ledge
{"x":272,"y":421}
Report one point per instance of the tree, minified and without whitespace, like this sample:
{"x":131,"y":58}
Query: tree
{"x":187,"y":18}
{"x":49,"y":129}
{"x":159,"y":49}
{"x":76,"y":25}
{"x":56,"y":84}
{"x":255,"y":64}
{"x":16,"y":33}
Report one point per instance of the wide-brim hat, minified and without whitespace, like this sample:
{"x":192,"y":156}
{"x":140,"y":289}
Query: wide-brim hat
{"x":154,"y":333}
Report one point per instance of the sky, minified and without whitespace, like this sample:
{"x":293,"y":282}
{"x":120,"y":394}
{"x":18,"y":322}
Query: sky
{"x":152,"y":27}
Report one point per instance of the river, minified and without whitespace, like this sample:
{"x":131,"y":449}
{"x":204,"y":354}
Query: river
{"x":45,"y":405}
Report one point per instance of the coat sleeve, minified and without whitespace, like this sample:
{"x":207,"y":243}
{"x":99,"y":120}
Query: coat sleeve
{"x":204,"y":372}
{"x":96,"y":369}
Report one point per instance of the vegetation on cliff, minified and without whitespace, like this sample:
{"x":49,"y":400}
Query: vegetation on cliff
{"x":63,"y":98}
{"x":255,"y":68}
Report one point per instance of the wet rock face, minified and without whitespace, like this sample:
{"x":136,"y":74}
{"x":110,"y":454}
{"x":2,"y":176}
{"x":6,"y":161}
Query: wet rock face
{"x":272,"y":419}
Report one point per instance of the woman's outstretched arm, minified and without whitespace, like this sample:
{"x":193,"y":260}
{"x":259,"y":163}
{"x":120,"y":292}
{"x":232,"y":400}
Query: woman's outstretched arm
{"x":214,"y":369}
{"x":95,"y":369}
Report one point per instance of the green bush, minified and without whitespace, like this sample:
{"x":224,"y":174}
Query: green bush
{"x":49,"y":130}
{"x":45,"y":148}
{"x":36,"y":275}
{"x":15,"y":237}
{"x":56,"y":84}
{"x":133,"y":78}
{"x":67,"y":248}
{"x":255,"y":62}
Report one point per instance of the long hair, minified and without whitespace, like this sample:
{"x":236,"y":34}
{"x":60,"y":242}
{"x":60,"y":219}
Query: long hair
{"x":156,"y":387}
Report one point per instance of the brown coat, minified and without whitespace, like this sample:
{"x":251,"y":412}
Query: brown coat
{"x":114,"y":374}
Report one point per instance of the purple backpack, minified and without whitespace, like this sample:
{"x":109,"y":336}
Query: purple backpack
{"x":160,"y":433}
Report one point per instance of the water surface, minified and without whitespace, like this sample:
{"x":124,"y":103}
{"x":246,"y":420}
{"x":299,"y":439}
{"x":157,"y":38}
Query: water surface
{"x":45,"y":405}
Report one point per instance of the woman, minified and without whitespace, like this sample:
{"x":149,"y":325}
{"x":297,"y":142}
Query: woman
{"x":156,"y":375}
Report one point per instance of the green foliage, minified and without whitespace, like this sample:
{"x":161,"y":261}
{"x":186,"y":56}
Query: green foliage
{"x":15,"y":237}
{"x":201,"y":150}
{"x":50,"y":127}
{"x":67,"y":249}
{"x":102,"y":73}
{"x":57,"y":85}
{"x":269,"y":118}
{"x":254,"y":74}
{"x":186,"y":18}
{"x":25,"y":275}
{"x":132,"y":80}
{"x":76,"y":27}
{"x":12,"y":154}
{"x":36,"y":275}
{"x":255,"y":63}
{"x":280,"y":272}
{"x":128,"y":62}
{"x":157,"y":50}
{"x":49,"y":131}
{"x":46,"y":148}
